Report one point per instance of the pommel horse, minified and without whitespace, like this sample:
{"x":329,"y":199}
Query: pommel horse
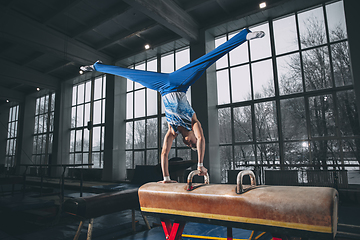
{"x":283,"y":210}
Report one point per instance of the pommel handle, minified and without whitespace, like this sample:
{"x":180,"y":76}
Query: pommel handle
{"x":239,"y":181}
{"x":189,"y":186}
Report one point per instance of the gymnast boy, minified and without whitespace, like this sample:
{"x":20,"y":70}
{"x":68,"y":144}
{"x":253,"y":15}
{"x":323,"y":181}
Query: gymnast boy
{"x":179,"y":114}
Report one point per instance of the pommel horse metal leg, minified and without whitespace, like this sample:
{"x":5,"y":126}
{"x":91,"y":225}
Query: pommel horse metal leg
{"x":173,"y":232}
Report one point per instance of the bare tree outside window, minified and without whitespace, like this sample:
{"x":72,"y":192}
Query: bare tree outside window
{"x":319,"y":122}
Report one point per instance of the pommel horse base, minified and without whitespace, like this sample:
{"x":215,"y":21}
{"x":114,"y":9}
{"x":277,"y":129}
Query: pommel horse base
{"x":283,"y":210}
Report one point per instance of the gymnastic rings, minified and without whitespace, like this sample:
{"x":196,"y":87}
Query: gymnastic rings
{"x":239,"y":181}
{"x":189,"y":186}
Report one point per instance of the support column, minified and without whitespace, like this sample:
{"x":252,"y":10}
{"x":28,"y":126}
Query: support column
{"x":115,"y":129}
{"x":25,"y":132}
{"x":62,"y":125}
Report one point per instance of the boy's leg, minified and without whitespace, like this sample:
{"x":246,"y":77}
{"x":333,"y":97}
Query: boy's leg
{"x":152,"y":80}
{"x":188,"y":74}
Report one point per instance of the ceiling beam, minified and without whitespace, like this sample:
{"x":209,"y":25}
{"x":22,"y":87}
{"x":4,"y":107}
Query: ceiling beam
{"x":28,"y":32}
{"x":16,"y":73}
{"x":137,"y":30}
{"x":64,"y":7}
{"x":11,"y":95}
{"x":170,"y":15}
{"x":97,"y":21}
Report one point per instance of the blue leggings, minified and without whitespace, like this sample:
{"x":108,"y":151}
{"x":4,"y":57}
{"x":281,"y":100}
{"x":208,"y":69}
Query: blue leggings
{"x":181,"y":79}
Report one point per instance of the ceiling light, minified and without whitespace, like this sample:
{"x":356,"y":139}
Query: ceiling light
{"x":147,"y":46}
{"x":81,"y":72}
{"x":37,"y":89}
{"x":7,"y":100}
{"x":262,"y":5}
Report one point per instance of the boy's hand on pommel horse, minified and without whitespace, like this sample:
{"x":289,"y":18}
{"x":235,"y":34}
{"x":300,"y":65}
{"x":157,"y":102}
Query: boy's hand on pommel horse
{"x":202,"y":170}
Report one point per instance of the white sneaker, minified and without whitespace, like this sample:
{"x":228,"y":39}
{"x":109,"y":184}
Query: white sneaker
{"x":89,"y":68}
{"x":253,"y":35}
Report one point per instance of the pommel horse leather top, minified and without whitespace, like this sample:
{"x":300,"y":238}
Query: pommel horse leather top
{"x":300,"y":211}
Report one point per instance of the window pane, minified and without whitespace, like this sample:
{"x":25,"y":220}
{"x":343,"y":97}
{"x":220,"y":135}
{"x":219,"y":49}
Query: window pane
{"x":293,"y":119}
{"x":265,"y":121}
{"x":139,"y":158}
{"x":336,"y":21}
{"x":268,"y":153}
{"x":104,"y":86}
{"x":222,"y":62}
{"x":152,"y":157}
{"x":96,"y":139}
{"x":129,"y":135}
{"x":73,"y":117}
{"x":182,"y":58}
{"x":80,"y":94}
{"x":240,"y":83}
{"x":340,"y":59}
{"x":244,"y":154}
{"x":88,"y":91}
{"x":225,"y":131}
{"x":289,"y":74}
{"x":226,"y":157}
{"x":263,"y":79}
{"x":312,"y":28}
{"x":151,"y":133}
{"x":223,"y":86}
{"x":285,"y":35}
{"x":129,"y":105}
{"x":97,"y":112}
{"x":78,"y":140}
{"x":46,"y":104}
{"x":351,"y":152}
{"x":103,"y":111}
{"x":317,"y":69}
{"x":72,"y":140}
{"x":139,"y":131}
{"x":87,"y":114}
{"x":140,"y":103}
{"x":129,"y":160}
{"x":322,"y":117}
{"x":86,"y":140}
{"x":151,"y":102}
{"x":98,"y":88}
{"x":240,"y":54}
{"x":243,"y":124}
{"x":296,"y":152}
{"x":36,"y":128}
{"x":96,"y":160}
{"x":79,"y":116}
{"x":74,"y":100}
{"x":347,"y":111}
{"x":85,"y":159}
{"x":260,"y":48}
{"x":167,"y":63}
{"x":130,"y":85}
{"x":152,"y":65}
{"x":324,"y":152}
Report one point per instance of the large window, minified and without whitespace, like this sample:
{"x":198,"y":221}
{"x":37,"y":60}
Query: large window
{"x":88,"y":122}
{"x":43,"y":129}
{"x":145,"y":115}
{"x":288,"y":98}
{"x":11,"y":141}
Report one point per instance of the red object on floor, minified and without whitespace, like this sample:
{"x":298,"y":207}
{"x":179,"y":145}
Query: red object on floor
{"x":274,"y":238}
{"x":173,"y":232}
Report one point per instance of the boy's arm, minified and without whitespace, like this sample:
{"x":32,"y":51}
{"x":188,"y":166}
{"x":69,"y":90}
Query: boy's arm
{"x":168,"y":140}
{"x":200,"y":144}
